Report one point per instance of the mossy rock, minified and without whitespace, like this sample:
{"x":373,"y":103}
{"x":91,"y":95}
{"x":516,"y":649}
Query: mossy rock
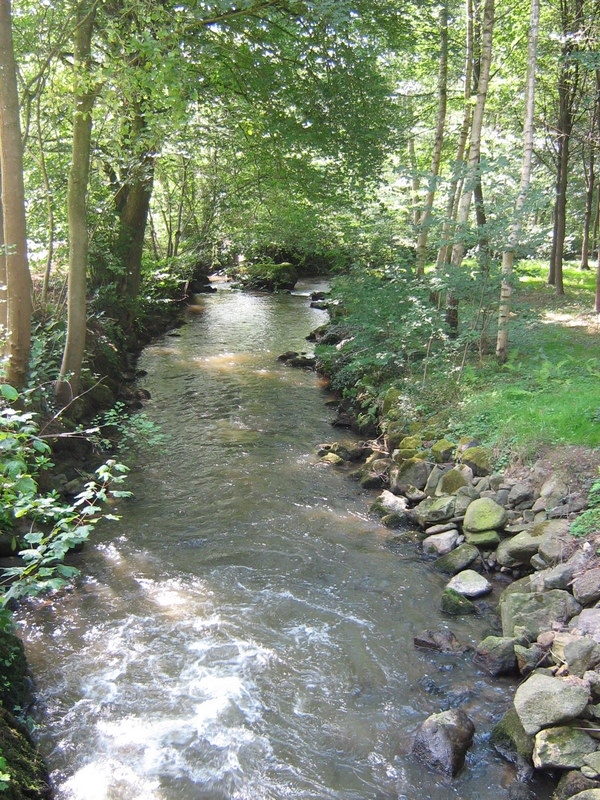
{"x":484,"y":514}
{"x":456,"y":604}
{"x":451,"y":481}
{"x":332,"y":458}
{"x":395,"y":432}
{"x":15,"y":686}
{"x":484,"y":540}
{"x":410,"y":443}
{"x":267,"y":276}
{"x":457,"y":560}
{"x":508,"y":738}
{"x":28,"y":775}
{"x":443,"y":451}
{"x":478,"y":458}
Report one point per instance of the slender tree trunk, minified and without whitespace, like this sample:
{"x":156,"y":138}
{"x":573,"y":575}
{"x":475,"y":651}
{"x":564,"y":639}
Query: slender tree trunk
{"x":508,"y":255}
{"x":421,"y":255}
{"x":3,"y":296}
{"x":68,"y":383}
{"x":464,"y":204}
{"x":416,"y":183}
{"x":568,"y":87}
{"x":457,"y":175}
{"x":18,"y":280}
{"x":49,"y":204}
{"x":591,"y":180}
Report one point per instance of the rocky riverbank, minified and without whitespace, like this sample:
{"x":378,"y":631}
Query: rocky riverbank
{"x":485,"y":530}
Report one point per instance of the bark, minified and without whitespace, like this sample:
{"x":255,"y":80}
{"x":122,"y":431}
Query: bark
{"x":68,"y":383}
{"x":464,"y":204}
{"x":49,"y":204}
{"x":421,"y":255}
{"x":3,"y":297}
{"x":568,"y":87}
{"x":508,"y":255}
{"x":591,"y":180}
{"x":454,"y":193}
{"x":18,"y":280}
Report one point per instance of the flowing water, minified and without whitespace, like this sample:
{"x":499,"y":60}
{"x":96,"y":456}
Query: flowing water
{"x":246,"y":630}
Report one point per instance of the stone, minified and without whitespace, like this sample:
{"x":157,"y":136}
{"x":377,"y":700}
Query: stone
{"x":454,"y":479}
{"x":434,"y":509}
{"x":389,"y":503}
{"x":332,"y":458}
{"x":442,"y":741}
{"x":441,"y":528}
{"x":496,"y":654}
{"x":563,"y":747}
{"x":456,"y":561}
{"x":579,"y":653}
{"x":410,"y":443}
{"x":542,"y":701}
{"x":455,"y":604}
{"x":535,"y":612}
{"x":588,"y":794}
{"x":443,"y":451}
{"x":411,"y":473}
{"x":484,"y":514}
{"x":441,"y":640}
{"x":478,"y":458}
{"x":587,"y":623}
{"x":558,"y":544}
{"x":509,"y":739}
{"x":440,"y":543}
{"x":593,"y":762}
{"x":519,"y":791}
{"x":553,"y":491}
{"x":586,"y":588}
{"x":530,"y":658}
{"x":372,"y":475}
{"x":520,"y":493}
{"x":558,"y":577}
{"x":572,"y":783}
{"x":484,"y":540}
{"x":470,"y":584}
{"x":519,"y":549}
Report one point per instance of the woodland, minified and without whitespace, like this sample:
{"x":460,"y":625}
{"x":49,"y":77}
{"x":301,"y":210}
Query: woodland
{"x":434,"y":156}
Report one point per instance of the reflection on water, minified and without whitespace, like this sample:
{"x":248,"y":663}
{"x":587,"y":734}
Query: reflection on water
{"x":246,"y":632}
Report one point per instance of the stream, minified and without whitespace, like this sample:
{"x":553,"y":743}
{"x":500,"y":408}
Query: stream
{"x":246,"y":631}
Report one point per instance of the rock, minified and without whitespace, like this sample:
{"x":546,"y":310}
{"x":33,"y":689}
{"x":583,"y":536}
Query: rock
{"x":443,"y":451}
{"x":411,"y":473}
{"x":587,"y":623}
{"x":267,"y":276}
{"x":588,"y":794}
{"x":478,"y":458}
{"x":557,"y":545}
{"x":484,"y":540}
{"x":434,"y":509}
{"x":535,"y":612}
{"x":28,"y":775}
{"x":519,"y":791}
{"x":15,"y":685}
{"x":441,"y":528}
{"x":453,"y":480}
{"x":572,"y":783}
{"x":586,"y":588}
{"x":530,"y":658}
{"x":442,"y":741}
{"x":520,"y":493}
{"x":496,"y":654}
{"x":470,"y":584}
{"x":455,"y":605}
{"x":332,"y":458}
{"x":542,"y":701}
{"x":373,"y":474}
{"x":553,"y":491}
{"x":558,"y":577}
{"x":520,"y":548}
{"x":508,"y":738}
{"x":440,"y":543}
{"x":389,"y":503}
{"x":579,"y":653}
{"x":434,"y":478}
{"x":441,"y":640}
{"x":483,"y":515}
{"x":456,"y":561}
{"x":592,"y":762}
{"x":563,"y":747}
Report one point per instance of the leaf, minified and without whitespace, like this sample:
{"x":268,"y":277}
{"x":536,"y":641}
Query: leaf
{"x":8,"y":392}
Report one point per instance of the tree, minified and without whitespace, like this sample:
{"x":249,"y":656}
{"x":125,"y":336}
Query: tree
{"x":18,"y":280}
{"x":508,"y":255}
{"x":68,"y":382}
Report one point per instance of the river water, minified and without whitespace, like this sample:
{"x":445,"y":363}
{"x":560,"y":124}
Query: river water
{"x":245,"y":632}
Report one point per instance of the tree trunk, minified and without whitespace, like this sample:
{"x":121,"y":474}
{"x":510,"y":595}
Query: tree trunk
{"x":515,"y":229}
{"x":568,"y":86}
{"x":3,"y":297}
{"x":68,"y":383}
{"x":591,"y":180}
{"x":464,"y":205}
{"x":421,"y":255}
{"x":457,"y":176}
{"x":18,"y":280}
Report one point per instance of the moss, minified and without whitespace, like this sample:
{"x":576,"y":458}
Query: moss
{"x":28,"y":776}
{"x":455,"y":604}
{"x":14,"y":683}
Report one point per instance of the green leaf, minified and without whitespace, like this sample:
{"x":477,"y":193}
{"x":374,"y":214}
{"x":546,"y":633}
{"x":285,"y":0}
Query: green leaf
{"x":8,"y":392}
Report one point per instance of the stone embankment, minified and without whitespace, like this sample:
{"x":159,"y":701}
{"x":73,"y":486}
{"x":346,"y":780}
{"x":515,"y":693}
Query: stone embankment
{"x":482,"y":529}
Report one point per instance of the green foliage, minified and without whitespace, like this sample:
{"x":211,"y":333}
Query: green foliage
{"x":4,"y":774}
{"x":588,"y":522}
{"x":119,"y":430}
{"x":44,"y":526}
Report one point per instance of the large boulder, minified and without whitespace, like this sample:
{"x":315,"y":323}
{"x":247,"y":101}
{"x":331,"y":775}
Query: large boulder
{"x":434,"y":509}
{"x":572,"y":783}
{"x":586,"y":588}
{"x":496,"y":654}
{"x":563,"y":747}
{"x":443,"y":739}
{"x":484,"y":514}
{"x":510,"y":740}
{"x":457,"y":560}
{"x":519,"y":549}
{"x":478,"y":458}
{"x":454,"y":479}
{"x":535,"y":612}
{"x":470,"y":584}
{"x":411,"y":473}
{"x":543,"y":701}
{"x":587,"y":623}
